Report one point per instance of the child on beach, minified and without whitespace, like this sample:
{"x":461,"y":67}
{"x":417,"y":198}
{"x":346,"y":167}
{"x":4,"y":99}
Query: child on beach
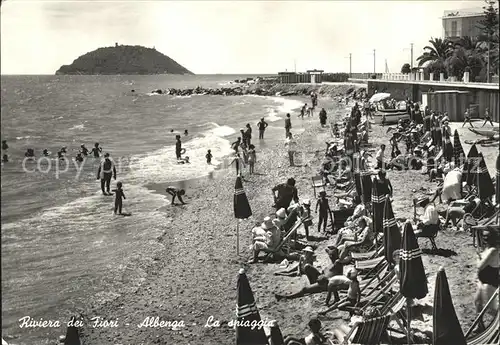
{"x":252,"y":158}
{"x":303,"y":111}
{"x":96,"y":150}
{"x":324,"y":211}
{"x":292,"y":147}
{"x":209,"y":156}
{"x":306,"y":216}
{"x":119,"y":197}
{"x":237,"y":162}
{"x":176,"y":193}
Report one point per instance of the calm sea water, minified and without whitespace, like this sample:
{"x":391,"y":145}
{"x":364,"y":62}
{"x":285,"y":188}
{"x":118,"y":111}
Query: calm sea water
{"x":61,"y":246}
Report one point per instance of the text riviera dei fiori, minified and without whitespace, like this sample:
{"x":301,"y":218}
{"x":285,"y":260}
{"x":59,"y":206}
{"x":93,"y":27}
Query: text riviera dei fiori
{"x":148,"y":322}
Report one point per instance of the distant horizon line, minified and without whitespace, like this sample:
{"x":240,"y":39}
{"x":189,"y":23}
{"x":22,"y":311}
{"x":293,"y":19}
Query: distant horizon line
{"x":189,"y":75}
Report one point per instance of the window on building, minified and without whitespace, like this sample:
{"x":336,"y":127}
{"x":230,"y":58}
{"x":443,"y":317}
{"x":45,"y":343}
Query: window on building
{"x":454,"y":32}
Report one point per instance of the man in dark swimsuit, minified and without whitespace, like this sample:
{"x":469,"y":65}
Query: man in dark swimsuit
{"x":248,"y":134}
{"x":106,"y":170}
{"x":178,"y":147}
{"x":96,"y":150}
{"x":286,"y":193}
{"x":174,"y":192}
{"x":262,"y":125}
{"x":236,"y":145}
{"x":288,"y":125}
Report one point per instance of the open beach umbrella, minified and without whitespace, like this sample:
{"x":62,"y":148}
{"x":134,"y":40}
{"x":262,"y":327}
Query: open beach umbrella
{"x":413,"y":282}
{"x":458,"y":151}
{"x":446,"y":327}
{"x":72,"y":334}
{"x":497,"y":194}
{"x":468,"y":176}
{"x":447,"y":147}
{"x":484,"y":184}
{"x":379,"y":195}
{"x":247,"y":313}
{"x":378,"y":97}
{"x":242,"y":208}
{"x":392,"y":235}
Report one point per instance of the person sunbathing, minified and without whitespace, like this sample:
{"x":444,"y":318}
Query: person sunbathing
{"x":333,"y":269}
{"x":352,"y":231}
{"x":315,"y":338}
{"x":298,"y":269}
{"x":340,"y":333}
{"x":265,"y":242}
{"x":361,"y":243}
{"x":320,"y":286}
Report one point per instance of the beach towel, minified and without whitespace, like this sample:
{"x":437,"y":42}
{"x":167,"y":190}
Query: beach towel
{"x":452,"y":185}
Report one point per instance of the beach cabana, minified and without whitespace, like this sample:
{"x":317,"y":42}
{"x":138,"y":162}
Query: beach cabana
{"x":392,"y":235}
{"x":247,"y":313}
{"x":242,"y":209}
{"x":413,"y":282}
{"x":446,"y":327}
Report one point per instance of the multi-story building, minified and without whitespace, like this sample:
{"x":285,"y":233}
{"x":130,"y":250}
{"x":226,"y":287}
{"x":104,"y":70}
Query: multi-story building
{"x":460,"y":23}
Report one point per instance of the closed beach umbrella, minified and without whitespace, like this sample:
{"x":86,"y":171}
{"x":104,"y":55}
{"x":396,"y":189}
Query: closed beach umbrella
{"x":357,"y":176}
{"x":276,"y":336}
{"x":413,"y":282}
{"x":242,"y":208}
{"x":485,"y":186}
{"x":247,"y":313}
{"x":497,"y":197}
{"x":392,"y":235}
{"x":446,"y":328}
{"x":468,"y":176}
{"x":366,"y":181}
{"x":447,"y":147}
{"x":458,"y":151}
{"x":72,"y":334}
{"x":378,"y":201}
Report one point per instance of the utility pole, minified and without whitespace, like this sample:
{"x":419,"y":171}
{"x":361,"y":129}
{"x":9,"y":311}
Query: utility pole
{"x":350,"y":65}
{"x":374,"y":69}
{"x":295,"y":65}
{"x":411,"y":55}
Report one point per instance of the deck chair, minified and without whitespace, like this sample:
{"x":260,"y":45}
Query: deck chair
{"x":491,"y":334}
{"x":368,"y":255}
{"x":474,"y":226}
{"x":369,"y":264}
{"x":431,"y":237}
{"x":318,"y":182}
{"x":370,"y":331}
{"x":288,"y":235}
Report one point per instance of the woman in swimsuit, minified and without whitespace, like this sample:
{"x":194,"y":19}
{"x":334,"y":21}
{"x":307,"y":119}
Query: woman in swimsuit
{"x":488,"y":275}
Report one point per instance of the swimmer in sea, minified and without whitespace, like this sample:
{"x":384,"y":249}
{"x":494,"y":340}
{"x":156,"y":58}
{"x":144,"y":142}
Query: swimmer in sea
{"x":174,"y":192}
{"x":63,"y":149}
{"x":79,"y":157}
{"x":60,"y":154}
{"x":96,"y":150}
{"x":119,"y":197}
{"x":46,"y":152}
{"x":186,"y":132}
{"x":4,"y":145}
{"x":84,"y":150}
{"x":5,"y":159}
{"x":30,"y":153}
{"x":171,"y":131}
{"x":209,"y":157}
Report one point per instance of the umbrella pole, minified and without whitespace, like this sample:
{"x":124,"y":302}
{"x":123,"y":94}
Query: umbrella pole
{"x":237,"y":237}
{"x":408,"y":315}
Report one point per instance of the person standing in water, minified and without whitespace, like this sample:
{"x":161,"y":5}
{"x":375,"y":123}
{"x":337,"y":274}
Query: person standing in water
{"x":178,"y":147}
{"x":236,"y":145}
{"x":288,"y":125}
{"x":84,"y":150}
{"x":262,"y":125}
{"x":4,"y":145}
{"x":96,"y":151}
{"x":119,"y":197}
{"x":106,"y":171}
{"x":176,"y":193}
{"x":252,"y":158}
{"x":209,"y":156}
{"x":186,"y":133}
{"x":248,"y":134}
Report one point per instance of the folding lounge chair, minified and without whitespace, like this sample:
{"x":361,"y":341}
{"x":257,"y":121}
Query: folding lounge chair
{"x":476,"y":225}
{"x":431,"y":237}
{"x":371,"y":332}
{"x":491,"y":334}
{"x":318,"y":182}
{"x":369,"y":264}
{"x":367,"y":255}
{"x":285,"y":239}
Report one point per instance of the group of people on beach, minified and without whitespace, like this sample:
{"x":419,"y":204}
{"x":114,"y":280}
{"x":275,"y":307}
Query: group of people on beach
{"x":356,"y":227}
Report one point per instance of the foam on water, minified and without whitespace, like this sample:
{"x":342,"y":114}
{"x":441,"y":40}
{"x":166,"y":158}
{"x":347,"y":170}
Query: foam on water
{"x":80,"y":126}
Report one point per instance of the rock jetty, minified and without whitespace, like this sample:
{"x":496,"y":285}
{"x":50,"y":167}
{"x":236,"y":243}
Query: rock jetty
{"x":355,"y":91}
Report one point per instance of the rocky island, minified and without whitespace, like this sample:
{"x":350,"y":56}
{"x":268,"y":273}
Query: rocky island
{"x":123,"y":59}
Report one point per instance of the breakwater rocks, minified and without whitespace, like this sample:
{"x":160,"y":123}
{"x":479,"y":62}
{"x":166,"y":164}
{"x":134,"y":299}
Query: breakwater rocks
{"x":355,"y":91}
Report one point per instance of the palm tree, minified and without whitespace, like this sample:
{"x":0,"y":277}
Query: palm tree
{"x":439,"y":50}
{"x":461,"y":59}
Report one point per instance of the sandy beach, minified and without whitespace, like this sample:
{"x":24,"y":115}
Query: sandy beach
{"x":194,"y":277}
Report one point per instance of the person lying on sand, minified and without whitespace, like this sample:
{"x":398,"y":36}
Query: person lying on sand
{"x":339,"y":282}
{"x":176,"y":193}
{"x":315,"y":338}
{"x":296,"y":270}
{"x":320,"y":286}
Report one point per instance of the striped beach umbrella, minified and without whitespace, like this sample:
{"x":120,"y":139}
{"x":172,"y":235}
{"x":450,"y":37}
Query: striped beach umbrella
{"x":247,"y":313}
{"x":484,"y":184}
{"x":413,"y":282}
{"x":446,"y":327}
{"x":379,"y":194}
{"x":357,"y":176}
{"x":392,"y":235}
{"x":471,"y":161}
{"x":458,"y":151}
{"x":276,"y":336}
{"x":366,"y":181}
{"x":242,"y":208}
{"x":72,"y":333}
{"x":447,"y":146}
{"x":497,"y":196}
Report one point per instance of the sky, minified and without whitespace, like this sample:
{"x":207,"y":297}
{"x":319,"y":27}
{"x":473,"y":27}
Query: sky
{"x":228,"y":37}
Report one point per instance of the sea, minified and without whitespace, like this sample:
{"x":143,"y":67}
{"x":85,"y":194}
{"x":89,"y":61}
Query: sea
{"x":62,"y":248}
